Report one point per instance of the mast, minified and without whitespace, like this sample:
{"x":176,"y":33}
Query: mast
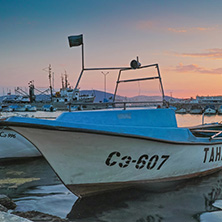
{"x":50,"y":80}
{"x":62,"y":78}
{"x":66,"y":80}
{"x":49,"y":70}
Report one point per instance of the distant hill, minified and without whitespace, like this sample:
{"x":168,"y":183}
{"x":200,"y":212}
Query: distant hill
{"x":100,"y":96}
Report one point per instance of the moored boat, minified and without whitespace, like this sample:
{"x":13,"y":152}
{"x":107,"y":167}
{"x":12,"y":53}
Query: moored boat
{"x":48,"y":108}
{"x":6,"y":109}
{"x":13,"y":145}
{"x":196,"y":109}
{"x":220,"y":110}
{"x":102,"y":150}
{"x":181,"y":111}
{"x":210,"y":110}
{"x":97,"y":151}
{"x":30,"y":108}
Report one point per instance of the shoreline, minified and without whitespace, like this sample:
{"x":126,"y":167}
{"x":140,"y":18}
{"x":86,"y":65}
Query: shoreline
{"x":8,"y":213}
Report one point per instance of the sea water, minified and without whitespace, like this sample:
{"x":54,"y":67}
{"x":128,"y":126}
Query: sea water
{"x":34,"y":186}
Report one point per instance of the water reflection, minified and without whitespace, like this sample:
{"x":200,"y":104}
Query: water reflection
{"x":53,"y":199}
{"x":21,"y":174}
{"x":184,"y":204}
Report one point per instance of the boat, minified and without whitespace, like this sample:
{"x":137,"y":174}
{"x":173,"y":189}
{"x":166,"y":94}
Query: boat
{"x":196,"y":109}
{"x":24,"y":108}
{"x":219,"y":110}
{"x":210,"y":110}
{"x":69,"y":95}
{"x":30,"y":108}
{"x":14,"y":146}
{"x":48,"y":108}
{"x":103,"y":150}
{"x":181,"y":111}
{"x":97,"y":151}
{"x":18,"y":108}
{"x":173,"y":108}
{"x":6,"y":109}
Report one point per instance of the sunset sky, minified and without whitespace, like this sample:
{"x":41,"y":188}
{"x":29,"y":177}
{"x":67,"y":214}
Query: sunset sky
{"x":183,"y":37}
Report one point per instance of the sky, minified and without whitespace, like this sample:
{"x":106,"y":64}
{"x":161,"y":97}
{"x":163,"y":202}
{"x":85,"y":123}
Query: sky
{"x":183,"y":37}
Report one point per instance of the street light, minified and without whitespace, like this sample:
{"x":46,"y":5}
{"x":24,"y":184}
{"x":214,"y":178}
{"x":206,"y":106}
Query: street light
{"x":105,"y":74}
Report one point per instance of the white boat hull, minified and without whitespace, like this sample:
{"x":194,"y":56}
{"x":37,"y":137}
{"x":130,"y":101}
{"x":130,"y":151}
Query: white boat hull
{"x":13,"y":145}
{"x":210,"y":111}
{"x":89,"y":161}
{"x":219,"y":111}
{"x":181,"y":111}
{"x":196,"y":111}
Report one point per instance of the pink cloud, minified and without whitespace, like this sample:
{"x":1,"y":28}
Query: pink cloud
{"x":195,"y":68}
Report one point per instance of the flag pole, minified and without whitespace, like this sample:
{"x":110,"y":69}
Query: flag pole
{"x":80,"y":76}
{"x":82,"y":56}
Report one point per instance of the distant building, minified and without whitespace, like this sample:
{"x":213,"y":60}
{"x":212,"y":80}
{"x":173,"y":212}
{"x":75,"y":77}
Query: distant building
{"x":209,"y":99}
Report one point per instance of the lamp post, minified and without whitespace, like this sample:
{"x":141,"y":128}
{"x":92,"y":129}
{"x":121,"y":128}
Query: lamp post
{"x":105,"y":74}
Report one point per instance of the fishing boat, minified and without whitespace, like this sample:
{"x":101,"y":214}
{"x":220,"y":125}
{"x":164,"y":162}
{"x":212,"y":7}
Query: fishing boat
{"x":30,"y":108}
{"x":70,"y":95}
{"x":18,"y":108}
{"x":181,"y":111}
{"x":220,"y":110}
{"x":210,"y":110}
{"x":48,"y":108}
{"x":101,"y":150}
{"x":196,"y":109}
{"x":13,"y":145}
{"x":6,"y":109}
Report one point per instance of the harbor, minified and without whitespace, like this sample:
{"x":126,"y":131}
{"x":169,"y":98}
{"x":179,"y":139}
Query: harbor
{"x":110,"y":111}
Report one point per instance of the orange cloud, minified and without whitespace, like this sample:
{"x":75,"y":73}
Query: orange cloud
{"x":185,"y":30}
{"x":177,"y":30}
{"x":210,"y":53}
{"x":196,"y":69}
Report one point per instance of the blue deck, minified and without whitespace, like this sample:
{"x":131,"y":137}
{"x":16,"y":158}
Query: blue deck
{"x":155,"y":123}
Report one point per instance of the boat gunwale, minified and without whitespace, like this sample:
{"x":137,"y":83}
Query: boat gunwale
{"x":107,"y":133}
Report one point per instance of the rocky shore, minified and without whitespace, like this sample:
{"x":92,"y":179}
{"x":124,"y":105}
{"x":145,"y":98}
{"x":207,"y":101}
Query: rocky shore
{"x":36,"y":190}
{"x":9,"y":214}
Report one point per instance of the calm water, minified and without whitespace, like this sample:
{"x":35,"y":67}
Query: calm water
{"x":34,"y":186}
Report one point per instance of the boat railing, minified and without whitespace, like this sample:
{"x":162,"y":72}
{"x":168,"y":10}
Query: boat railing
{"x":136,"y":104}
{"x":217,"y":135}
{"x":118,"y":104}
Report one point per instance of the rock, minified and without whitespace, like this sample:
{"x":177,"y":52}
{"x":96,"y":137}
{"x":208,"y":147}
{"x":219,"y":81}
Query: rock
{"x":2,"y":208}
{"x":38,"y":216}
{"x":7,"y":217}
{"x":7,"y":202}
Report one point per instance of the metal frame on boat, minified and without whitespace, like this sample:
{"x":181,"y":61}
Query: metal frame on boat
{"x":133,"y":65}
